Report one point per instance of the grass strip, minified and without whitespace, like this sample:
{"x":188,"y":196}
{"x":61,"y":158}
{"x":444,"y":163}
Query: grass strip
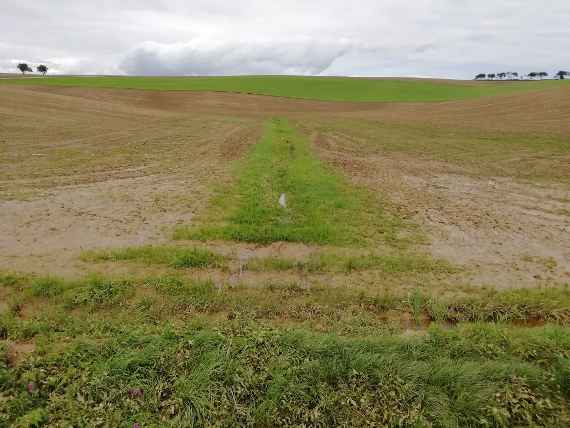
{"x":321,"y":208}
{"x":176,"y":257}
{"x":179,"y":297}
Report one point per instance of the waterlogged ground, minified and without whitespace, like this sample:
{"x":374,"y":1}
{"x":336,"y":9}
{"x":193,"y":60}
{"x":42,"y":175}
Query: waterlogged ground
{"x":417,"y":275}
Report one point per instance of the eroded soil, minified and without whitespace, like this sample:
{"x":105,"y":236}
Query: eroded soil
{"x":87,"y":168}
{"x":505,"y":233}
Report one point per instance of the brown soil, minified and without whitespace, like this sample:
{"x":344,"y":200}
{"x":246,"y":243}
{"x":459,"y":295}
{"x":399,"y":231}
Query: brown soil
{"x":82,"y":172}
{"x":18,"y":351}
{"x":537,"y":113}
{"x":97,"y":168}
{"x":506,"y":233}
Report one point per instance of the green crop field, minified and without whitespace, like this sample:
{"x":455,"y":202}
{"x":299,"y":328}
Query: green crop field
{"x":316,"y":88}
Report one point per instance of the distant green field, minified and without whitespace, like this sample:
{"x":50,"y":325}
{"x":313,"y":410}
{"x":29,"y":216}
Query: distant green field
{"x":316,"y":88}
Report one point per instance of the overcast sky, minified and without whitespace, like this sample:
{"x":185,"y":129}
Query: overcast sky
{"x":446,"y":38}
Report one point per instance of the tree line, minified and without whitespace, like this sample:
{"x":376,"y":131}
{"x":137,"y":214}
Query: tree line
{"x":513,"y":75}
{"x":509,"y":75}
{"x":24,"y":68}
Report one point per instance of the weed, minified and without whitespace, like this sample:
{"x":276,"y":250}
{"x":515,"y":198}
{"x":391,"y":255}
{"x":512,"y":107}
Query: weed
{"x":167,"y":285}
{"x":437,"y":310}
{"x":562,"y":369}
{"x":99,"y":292}
{"x":191,"y":295}
{"x":517,"y":404}
{"x":9,"y":279}
{"x":196,"y":258}
{"x":416,"y":302}
{"x":47,"y":287}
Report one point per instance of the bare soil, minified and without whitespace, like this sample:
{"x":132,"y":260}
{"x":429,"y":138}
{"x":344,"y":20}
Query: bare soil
{"x":18,"y":351}
{"x":505,"y":233}
{"x":51,"y":230}
{"x":536,"y":113}
{"x":95,"y":168}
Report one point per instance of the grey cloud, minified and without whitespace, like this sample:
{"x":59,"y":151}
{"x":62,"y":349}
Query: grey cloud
{"x":425,"y":48}
{"x":201,"y":58}
{"x":369,"y":37}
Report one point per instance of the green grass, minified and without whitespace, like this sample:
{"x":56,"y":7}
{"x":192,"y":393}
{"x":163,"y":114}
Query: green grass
{"x":321,"y":207}
{"x":319,"y":262}
{"x":318,"y":88}
{"x":8,"y":279}
{"x":169,"y":351}
{"x":182,"y":298}
{"x":176,"y":257}
{"x":249,"y":375}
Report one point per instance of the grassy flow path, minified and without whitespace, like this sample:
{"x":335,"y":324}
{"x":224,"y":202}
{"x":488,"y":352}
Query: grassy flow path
{"x":317,"y":88}
{"x":321,"y":207}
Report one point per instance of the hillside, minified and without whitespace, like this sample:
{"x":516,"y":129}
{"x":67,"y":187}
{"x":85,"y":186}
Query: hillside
{"x":416,"y":273}
{"x":317,"y":88}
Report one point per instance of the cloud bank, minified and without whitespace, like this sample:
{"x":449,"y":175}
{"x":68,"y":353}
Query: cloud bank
{"x":444,"y":38}
{"x":202,"y":57}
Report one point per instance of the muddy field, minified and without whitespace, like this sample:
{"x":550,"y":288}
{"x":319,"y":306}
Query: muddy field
{"x":487,"y":180}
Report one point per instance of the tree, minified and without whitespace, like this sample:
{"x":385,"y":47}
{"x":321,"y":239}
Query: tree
{"x":502,"y":75}
{"x":491,"y":76}
{"x":533,"y":74}
{"x":42,"y":69}
{"x":515,"y":74}
{"x":562,"y":74}
{"x":23,"y":67}
{"x":480,"y":76}
{"x":542,"y":74}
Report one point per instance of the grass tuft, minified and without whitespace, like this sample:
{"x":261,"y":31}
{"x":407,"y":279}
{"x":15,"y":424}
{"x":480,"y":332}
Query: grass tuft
{"x":99,"y":292}
{"x":8,"y":279}
{"x":176,"y":257}
{"x":47,"y":287}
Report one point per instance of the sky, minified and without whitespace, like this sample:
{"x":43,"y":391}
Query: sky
{"x":422,"y":38}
